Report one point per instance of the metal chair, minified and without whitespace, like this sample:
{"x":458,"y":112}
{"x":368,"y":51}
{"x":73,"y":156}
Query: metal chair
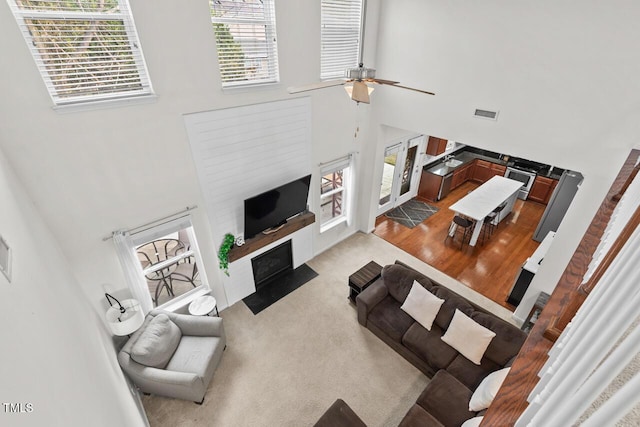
{"x":463,"y":224}
{"x":490,"y":222}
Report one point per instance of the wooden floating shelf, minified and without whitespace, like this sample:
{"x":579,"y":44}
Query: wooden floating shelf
{"x":262,"y":240}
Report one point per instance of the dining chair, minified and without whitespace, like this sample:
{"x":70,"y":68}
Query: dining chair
{"x":491,"y":222}
{"x":461,"y":224}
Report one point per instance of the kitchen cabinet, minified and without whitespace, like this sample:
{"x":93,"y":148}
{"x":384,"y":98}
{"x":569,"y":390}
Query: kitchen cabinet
{"x":462,"y":175}
{"x":429,"y":186}
{"x":436,"y":146}
{"x":542,"y":189}
{"x":498,"y":170}
{"x":482,"y":171}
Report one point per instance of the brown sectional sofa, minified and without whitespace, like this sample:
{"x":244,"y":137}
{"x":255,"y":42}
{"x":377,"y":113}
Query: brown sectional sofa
{"x":444,"y":401}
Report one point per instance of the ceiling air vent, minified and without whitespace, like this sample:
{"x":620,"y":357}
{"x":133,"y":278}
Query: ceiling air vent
{"x":486,"y":114}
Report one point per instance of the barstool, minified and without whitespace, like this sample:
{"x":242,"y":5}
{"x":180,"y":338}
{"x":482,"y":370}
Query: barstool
{"x":490,"y":221}
{"x":463,"y":224}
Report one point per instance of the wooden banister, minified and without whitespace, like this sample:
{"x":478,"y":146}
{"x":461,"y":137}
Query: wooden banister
{"x":562,"y":306}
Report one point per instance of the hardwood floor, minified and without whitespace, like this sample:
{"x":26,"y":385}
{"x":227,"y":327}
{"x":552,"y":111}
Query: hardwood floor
{"x":491,"y":267}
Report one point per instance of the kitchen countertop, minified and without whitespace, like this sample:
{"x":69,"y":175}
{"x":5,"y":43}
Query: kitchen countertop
{"x":441,"y":169}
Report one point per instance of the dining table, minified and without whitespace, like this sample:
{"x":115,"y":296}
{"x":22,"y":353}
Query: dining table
{"x":485,"y":199}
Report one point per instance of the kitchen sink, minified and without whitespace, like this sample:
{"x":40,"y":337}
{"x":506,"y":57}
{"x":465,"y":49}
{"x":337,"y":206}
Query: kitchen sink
{"x":452,"y":163}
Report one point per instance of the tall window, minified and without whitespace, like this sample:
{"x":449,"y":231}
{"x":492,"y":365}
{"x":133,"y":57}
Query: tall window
{"x":340,"y":36}
{"x":335,"y":187}
{"x":246,"y":41}
{"x":85,"y":50}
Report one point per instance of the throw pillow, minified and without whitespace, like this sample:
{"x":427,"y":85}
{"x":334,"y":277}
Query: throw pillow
{"x":487,"y":390}
{"x":157,"y":343}
{"x":468,"y":337}
{"x":472,"y":422}
{"x":422,"y":305}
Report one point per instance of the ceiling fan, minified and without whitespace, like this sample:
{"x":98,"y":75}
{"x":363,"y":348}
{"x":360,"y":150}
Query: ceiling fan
{"x":355,"y":83}
{"x":356,"y":79}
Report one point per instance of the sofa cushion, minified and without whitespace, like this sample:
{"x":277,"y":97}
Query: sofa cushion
{"x":452,"y":301}
{"x":446,"y":399}
{"x":468,"y":337}
{"x":418,"y":417}
{"x":470,"y":374}
{"x":487,"y":390}
{"x":422,"y":305}
{"x":429,"y":346}
{"x":507,"y":342}
{"x":398,"y":279}
{"x":473,"y":422}
{"x":194,"y":355}
{"x":157,"y":343}
{"x":389,"y":318}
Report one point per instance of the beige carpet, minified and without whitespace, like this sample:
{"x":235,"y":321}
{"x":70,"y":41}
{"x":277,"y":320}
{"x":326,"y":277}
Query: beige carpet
{"x":286,"y":365}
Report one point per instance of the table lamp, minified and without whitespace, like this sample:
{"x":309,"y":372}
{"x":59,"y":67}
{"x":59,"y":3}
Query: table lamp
{"x":126,"y":317}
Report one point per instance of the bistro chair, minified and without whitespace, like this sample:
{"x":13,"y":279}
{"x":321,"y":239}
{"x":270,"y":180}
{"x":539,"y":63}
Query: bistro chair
{"x":491,"y":222}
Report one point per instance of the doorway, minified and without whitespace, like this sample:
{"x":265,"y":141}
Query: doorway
{"x":400,"y":173}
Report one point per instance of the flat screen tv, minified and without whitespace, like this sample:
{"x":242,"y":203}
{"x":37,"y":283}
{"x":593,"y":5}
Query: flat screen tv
{"x":272,"y":208}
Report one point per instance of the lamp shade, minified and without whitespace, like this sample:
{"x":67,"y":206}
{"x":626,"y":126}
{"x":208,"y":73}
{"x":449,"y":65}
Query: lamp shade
{"x":127,"y":322}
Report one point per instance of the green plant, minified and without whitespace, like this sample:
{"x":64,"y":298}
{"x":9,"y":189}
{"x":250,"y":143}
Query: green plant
{"x":223,"y":253}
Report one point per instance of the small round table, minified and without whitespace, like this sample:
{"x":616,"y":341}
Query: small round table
{"x":203,"y":306}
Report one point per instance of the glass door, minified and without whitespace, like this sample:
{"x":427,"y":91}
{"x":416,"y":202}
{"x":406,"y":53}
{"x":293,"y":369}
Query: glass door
{"x":400,"y":174}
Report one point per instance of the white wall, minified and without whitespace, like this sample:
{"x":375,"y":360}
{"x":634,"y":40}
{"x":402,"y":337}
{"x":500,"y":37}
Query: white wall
{"x":92,"y":172}
{"x":560,"y":73}
{"x":56,"y":353}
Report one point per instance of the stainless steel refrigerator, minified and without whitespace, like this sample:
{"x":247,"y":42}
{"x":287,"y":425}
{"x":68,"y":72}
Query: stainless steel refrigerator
{"x":558,"y":204}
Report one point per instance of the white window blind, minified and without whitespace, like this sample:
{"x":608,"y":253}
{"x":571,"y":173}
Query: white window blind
{"x":85,"y":50}
{"x":245,"y":33}
{"x":340,"y":36}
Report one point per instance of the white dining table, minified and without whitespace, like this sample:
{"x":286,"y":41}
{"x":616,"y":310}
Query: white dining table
{"x":483,"y":200}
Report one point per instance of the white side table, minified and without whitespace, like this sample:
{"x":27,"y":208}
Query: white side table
{"x":203,"y":306}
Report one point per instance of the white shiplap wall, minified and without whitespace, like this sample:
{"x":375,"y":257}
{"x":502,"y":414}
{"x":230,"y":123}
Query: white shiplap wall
{"x":243,"y":151}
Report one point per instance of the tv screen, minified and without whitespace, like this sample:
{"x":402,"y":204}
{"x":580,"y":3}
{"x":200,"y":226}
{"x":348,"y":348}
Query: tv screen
{"x":274,"y":207}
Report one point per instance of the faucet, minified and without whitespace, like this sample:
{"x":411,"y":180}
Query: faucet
{"x":448,"y":157}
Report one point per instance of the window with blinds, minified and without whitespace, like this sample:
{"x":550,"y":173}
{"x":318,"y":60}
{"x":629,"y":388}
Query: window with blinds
{"x":340,"y":37}
{"x":245,"y":33}
{"x":85,"y":50}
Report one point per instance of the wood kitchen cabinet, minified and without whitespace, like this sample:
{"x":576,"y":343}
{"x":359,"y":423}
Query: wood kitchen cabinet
{"x":436,"y":146}
{"x":498,"y":170}
{"x":462,"y":175}
{"x":482,"y":171}
{"x":542,"y":189}
{"x":429,"y":186}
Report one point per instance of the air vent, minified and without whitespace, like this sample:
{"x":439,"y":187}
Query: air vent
{"x":486,"y":114}
{"x":5,"y":258}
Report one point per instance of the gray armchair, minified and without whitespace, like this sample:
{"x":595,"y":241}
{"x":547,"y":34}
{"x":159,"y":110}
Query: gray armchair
{"x":174,"y":355}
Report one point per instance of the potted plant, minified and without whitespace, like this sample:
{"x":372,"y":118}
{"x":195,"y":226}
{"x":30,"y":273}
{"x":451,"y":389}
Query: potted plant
{"x":223,"y":253}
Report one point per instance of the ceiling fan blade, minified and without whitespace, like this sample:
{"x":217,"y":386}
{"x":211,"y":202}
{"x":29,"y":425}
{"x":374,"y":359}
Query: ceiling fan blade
{"x":315,"y":86}
{"x":382,"y":81}
{"x":414,"y":89}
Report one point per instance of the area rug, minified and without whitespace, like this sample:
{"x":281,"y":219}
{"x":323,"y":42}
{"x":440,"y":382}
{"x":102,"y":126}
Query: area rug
{"x":411,"y":213}
{"x":279,"y":287}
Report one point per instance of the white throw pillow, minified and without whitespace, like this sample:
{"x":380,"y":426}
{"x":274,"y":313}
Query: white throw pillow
{"x":468,"y":337}
{"x":422,"y":305}
{"x":157,"y":343}
{"x":472,"y":422}
{"x":487,"y":390}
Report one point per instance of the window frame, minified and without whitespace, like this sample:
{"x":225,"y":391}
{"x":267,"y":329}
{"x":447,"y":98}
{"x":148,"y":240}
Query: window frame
{"x":269,"y":22}
{"x":337,"y":30}
{"x":157,"y":232}
{"x":103,"y":93}
{"x":345,"y":165}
